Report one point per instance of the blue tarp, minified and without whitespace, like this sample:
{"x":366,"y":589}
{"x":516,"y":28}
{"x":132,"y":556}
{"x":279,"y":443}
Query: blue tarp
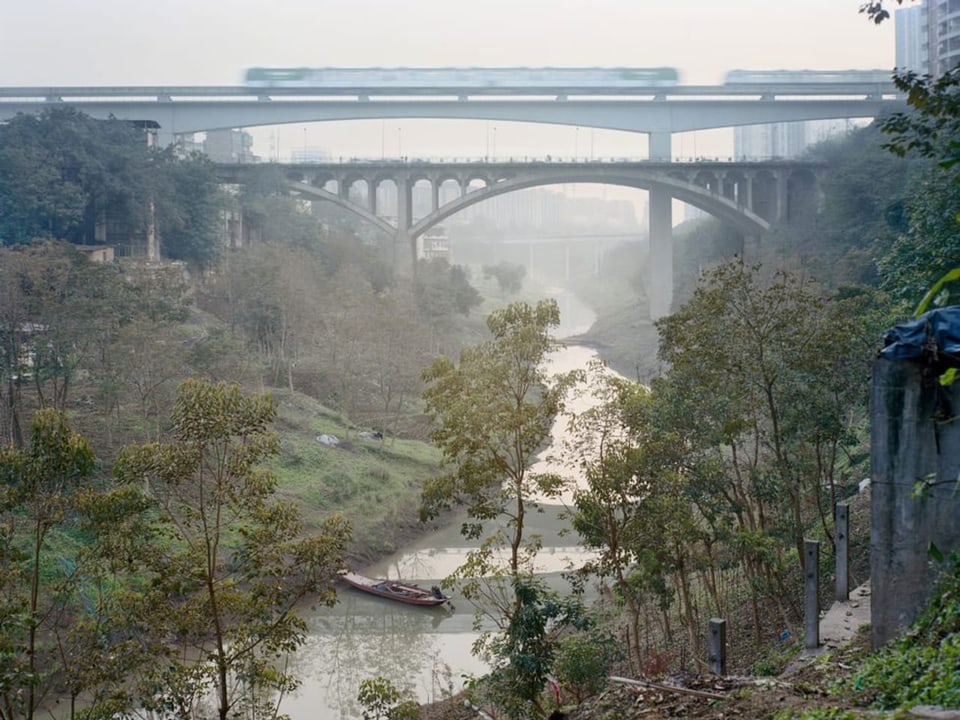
{"x":933,"y":337}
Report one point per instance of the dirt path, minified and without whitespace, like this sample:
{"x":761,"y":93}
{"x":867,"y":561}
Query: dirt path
{"x":838,"y":627}
{"x":844,"y":619}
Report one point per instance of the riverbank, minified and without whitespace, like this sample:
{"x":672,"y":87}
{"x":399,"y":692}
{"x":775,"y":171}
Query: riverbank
{"x":622,"y":332}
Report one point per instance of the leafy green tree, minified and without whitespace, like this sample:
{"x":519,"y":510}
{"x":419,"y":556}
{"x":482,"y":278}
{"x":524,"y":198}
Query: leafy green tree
{"x":225,"y":562}
{"x":929,"y":246}
{"x":635,"y":510}
{"x":491,"y":415}
{"x":63,"y":175}
{"x":382,"y":701}
{"x":443,"y":290}
{"x":38,"y":487}
{"x":524,"y":652}
{"x":189,"y":211}
{"x":61,"y":170}
{"x":584,"y":661}
{"x":768,"y":374}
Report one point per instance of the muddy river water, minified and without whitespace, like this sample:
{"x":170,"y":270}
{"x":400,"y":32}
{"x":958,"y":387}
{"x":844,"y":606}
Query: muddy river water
{"x":423,"y":650}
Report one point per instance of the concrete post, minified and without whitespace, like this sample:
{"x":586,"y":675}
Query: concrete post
{"x":717,"y":647}
{"x":660,"y":270}
{"x":434,"y":194}
{"x":842,"y":526}
{"x":372,"y":196}
{"x":811,"y":608}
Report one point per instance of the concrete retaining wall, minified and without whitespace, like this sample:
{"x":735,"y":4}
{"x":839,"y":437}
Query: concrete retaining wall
{"x":909,"y":447}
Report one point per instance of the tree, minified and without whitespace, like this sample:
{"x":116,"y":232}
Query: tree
{"x":225,"y":562}
{"x":382,"y":701}
{"x":38,"y":486}
{"x":929,"y":246}
{"x":492,"y":414}
{"x":189,"y":211}
{"x":443,"y":290}
{"x":766,"y":378}
{"x":509,"y":276}
{"x":524,"y":652}
{"x":60,"y":314}
{"x":634,"y":509}
{"x":62,"y":171}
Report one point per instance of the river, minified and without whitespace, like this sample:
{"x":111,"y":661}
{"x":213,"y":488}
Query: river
{"x":426,"y":651}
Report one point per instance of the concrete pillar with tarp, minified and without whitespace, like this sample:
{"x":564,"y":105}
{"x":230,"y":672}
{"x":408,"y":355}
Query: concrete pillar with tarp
{"x":915,"y":461}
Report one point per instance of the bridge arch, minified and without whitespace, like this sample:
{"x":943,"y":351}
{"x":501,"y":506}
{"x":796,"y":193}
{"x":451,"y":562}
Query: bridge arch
{"x":313,"y":192}
{"x":721,"y":207}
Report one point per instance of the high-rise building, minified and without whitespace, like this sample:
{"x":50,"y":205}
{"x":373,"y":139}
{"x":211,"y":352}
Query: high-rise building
{"x":928,"y":36}
{"x":783,"y":140}
{"x":913,"y":46}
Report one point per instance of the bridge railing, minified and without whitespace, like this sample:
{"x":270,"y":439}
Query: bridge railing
{"x":516,"y":160}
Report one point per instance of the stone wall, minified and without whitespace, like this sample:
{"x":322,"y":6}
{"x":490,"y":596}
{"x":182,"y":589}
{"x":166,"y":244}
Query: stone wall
{"x":910,"y":447}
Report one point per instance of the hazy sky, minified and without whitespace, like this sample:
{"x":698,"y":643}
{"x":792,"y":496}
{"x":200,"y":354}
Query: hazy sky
{"x":186,"y":42}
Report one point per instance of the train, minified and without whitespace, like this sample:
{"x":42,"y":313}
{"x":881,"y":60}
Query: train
{"x":779,"y":77}
{"x":460,"y":78}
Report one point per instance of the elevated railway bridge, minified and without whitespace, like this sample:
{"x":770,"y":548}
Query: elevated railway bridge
{"x":750,"y":196}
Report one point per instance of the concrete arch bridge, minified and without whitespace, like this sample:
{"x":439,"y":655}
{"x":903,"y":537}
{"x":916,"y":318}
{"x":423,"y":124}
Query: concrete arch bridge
{"x":750,"y":196}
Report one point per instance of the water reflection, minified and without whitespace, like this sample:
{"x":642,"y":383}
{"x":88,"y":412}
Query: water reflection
{"x":422,"y":650}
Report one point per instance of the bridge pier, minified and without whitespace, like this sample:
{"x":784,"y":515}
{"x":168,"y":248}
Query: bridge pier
{"x":404,"y":254}
{"x":405,"y":246}
{"x":660,"y":262}
{"x":660,"y":146}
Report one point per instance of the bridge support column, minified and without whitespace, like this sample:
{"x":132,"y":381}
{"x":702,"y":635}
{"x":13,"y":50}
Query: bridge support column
{"x":372,"y":196}
{"x":660,"y":146}
{"x":660,"y":264}
{"x":781,"y":211}
{"x":405,"y":247}
{"x":747,"y":199}
{"x":404,"y":254}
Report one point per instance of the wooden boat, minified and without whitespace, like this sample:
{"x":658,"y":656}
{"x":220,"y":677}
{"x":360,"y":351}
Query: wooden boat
{"x":393,"y":590}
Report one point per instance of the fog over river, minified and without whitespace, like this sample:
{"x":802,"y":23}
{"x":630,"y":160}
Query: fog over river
{"x":423,"y":650}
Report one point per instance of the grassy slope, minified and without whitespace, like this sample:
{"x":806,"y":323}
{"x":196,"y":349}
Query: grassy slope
{"x":374,"y":483}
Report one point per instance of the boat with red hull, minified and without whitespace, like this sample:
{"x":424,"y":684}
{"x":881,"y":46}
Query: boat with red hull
{"x":393,"y":590}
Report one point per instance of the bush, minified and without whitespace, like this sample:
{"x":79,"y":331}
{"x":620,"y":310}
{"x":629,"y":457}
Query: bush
{"x":382,"y":701}
{"x":583,"y":663}
{"x":921,"y":668}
